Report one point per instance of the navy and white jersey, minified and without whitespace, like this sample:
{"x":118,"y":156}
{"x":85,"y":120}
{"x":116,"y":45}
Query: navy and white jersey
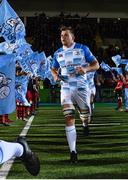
{"x":68,"y":59}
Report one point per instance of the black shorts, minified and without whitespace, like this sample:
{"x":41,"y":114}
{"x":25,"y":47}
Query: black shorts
{"x":118,"y":93}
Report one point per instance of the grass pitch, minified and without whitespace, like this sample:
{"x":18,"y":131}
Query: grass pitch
{"x":102,"y":155}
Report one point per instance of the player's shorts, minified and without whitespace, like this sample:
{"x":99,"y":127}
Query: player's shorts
{"x":92,"y":91}
{"x":75,"y":96}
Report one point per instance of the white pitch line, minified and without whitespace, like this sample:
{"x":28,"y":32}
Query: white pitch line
{"x":106,"y":124}
{"x":61,"y":125}
{"x":5,"y":168}
{"x":27,"y":126}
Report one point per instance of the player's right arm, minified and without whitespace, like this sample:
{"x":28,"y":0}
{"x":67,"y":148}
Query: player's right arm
{"x":55,"y":74}
{"x":54,"y":68}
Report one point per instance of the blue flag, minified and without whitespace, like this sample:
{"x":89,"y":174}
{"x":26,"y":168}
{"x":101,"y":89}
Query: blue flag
{"x":48,"y":73}
{"x":105,"y":66}
{"x":23,"y":64}
{"x":7,"y":47}
{"x":7,"y":84}
{"x":23,"y":52}
{"x":24,"y":49}
{"x":117,"y":60}
{"x":118,"y":70}
{"x":126,"y":67}
{"x":43,"y":66}
{"x":11,"y":26}
{"x":21,"y":89}
{"x":33,"y":62}
{"x":124,"y":61}
{"x":10,"y":48}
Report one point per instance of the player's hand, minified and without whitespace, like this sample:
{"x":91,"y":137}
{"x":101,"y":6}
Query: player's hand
{"x":80,"y":70}
{"x":56,"y":78}
{"x":29,"y":74}
{"x":98,"y":84}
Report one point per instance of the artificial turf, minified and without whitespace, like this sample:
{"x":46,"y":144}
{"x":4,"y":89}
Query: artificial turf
{"x":102,"y":155}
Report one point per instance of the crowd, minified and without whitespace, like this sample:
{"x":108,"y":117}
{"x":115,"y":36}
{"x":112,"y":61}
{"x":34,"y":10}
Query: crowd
{"x":44,"y":33}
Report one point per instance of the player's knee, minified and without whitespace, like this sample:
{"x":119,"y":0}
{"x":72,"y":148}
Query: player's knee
{"x":85,"y":115}
{"x":69,"y":116}
{"x":69,"y":113}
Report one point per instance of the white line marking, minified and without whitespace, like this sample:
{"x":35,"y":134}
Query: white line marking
{"x":5,"y":168}
{"x":62,"y":125}
{"x":106,"y":124}
{"x":27,"y":126}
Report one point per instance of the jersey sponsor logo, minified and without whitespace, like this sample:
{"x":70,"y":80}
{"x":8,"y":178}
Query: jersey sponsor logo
{"x":76,"y":52}
{"x":60,"y":55}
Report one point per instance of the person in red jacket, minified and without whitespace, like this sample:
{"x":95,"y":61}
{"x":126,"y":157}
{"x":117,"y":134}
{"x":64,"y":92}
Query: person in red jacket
{"x":119,"y":90}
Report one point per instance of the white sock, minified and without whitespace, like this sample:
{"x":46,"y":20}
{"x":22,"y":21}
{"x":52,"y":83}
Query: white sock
{"x":71,"y":137}
{"x":85,"y":125}
{"x":9,"y":150}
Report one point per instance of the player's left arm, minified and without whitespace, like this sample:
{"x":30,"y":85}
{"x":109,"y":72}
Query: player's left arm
{"x":93,"y":66}
{"x":93,"y":63}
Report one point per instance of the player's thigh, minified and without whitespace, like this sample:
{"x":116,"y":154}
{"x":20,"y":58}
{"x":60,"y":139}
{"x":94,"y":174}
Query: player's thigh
{"x":65,"y":96}
{"x":82,"y":98}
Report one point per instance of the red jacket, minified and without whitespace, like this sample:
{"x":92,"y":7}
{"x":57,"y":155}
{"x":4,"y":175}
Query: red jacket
{"x":119,"y":85}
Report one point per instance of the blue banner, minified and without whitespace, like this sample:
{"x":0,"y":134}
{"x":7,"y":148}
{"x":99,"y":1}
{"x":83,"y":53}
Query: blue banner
{"x":7,"y":84}
{"x":124,"y":61}
{"x":21,"y":89}
{"x":105,"y":66}
{"x":7,"y":47}
{"x":11,"y":26}
{"x":10,"y":48}
{"x":43,"y":66}
{"x":33,"y":62}
{"x":48,"y":73}
{"x":118,"y":70}
{"x":24,"y":49}
{"x":126,"y":67}
{"x":117,"y":60}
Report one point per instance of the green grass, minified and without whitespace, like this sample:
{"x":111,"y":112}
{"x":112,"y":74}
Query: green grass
{"x":102,"y":155}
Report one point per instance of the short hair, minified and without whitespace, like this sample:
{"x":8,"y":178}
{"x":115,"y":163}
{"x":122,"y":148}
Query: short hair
{"x":69,"y":28}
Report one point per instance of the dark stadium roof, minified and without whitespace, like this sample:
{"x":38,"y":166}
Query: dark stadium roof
{"x":70,"y":5}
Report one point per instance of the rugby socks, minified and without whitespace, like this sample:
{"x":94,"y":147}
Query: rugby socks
{"x":119,"y":103}
{"x":71,"y":137}
{"x":9,"y":150}
{"x":84,"y":124}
